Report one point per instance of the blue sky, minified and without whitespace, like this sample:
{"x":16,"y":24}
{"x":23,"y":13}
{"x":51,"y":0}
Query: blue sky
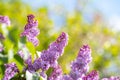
{"x":109,"y":8}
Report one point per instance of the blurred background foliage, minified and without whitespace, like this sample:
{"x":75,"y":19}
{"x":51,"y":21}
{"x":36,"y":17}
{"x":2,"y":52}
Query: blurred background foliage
{"x":104,"y":42}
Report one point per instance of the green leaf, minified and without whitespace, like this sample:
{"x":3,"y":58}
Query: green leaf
{"x":32,"y":49}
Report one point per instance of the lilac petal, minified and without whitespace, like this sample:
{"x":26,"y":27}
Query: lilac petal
{"x":34,"y":40}
{"x":92,"y":76}
{"x":56,"y":74}
{"x":11,"y":70}
{"x":66,"y":77}
{"x":43,"y":74}
{"x":31,"y":22}
{"x":37,"y":64}
{"x":4,"y":20}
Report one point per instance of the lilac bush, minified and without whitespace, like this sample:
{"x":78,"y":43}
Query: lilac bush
{"x":49,"y":58}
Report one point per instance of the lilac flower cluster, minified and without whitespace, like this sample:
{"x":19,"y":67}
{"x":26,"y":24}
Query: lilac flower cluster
{"x":55,"y":50}
{"x":4,"y":20}
{"x":11,"y":70}
{"x":31,"y":30}
{"x":80,"y":66}
{"x":48,"y":58}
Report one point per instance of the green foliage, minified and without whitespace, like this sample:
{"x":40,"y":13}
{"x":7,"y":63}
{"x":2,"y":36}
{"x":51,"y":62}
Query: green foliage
{"x":103,"y":41}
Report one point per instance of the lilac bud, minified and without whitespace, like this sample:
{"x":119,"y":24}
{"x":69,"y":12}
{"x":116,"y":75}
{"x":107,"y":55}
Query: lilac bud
{"x":66,"y":77}
{"x":92,"y":76}
{"x":37,"y":64}
{"x":43,"y":75}
{"x":56,"y":74}
{"x":85,"y":53}
{"x":4,"y":20}
{"x":31,"y":22}
{"x":45,"y":65}
{"x":11,"y":70}
{"x":21,"y":54}
{"x":34,"y":40}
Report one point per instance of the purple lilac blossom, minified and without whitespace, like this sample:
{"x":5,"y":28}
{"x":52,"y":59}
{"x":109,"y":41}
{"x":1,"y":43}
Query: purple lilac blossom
{"x":56,"y":74}
{"x":48,"y":57}
{"x":27,"y":60}
{"x":29,"y":67}
{"x":66,"y":77}
{"x":38,"y":63}
{"x":112,"y":78}
{"x":91,"y":76}
{"x":31,"y":31}
{"x":80,"y":66}
{"x":11,"y":70}
{"x":44,"y":75}
{"x":21,"y":54}
{"x":1,"y":49}
{"x":5,"y":20}
{"x":55,"y":50}
{"x":25,"y":55}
